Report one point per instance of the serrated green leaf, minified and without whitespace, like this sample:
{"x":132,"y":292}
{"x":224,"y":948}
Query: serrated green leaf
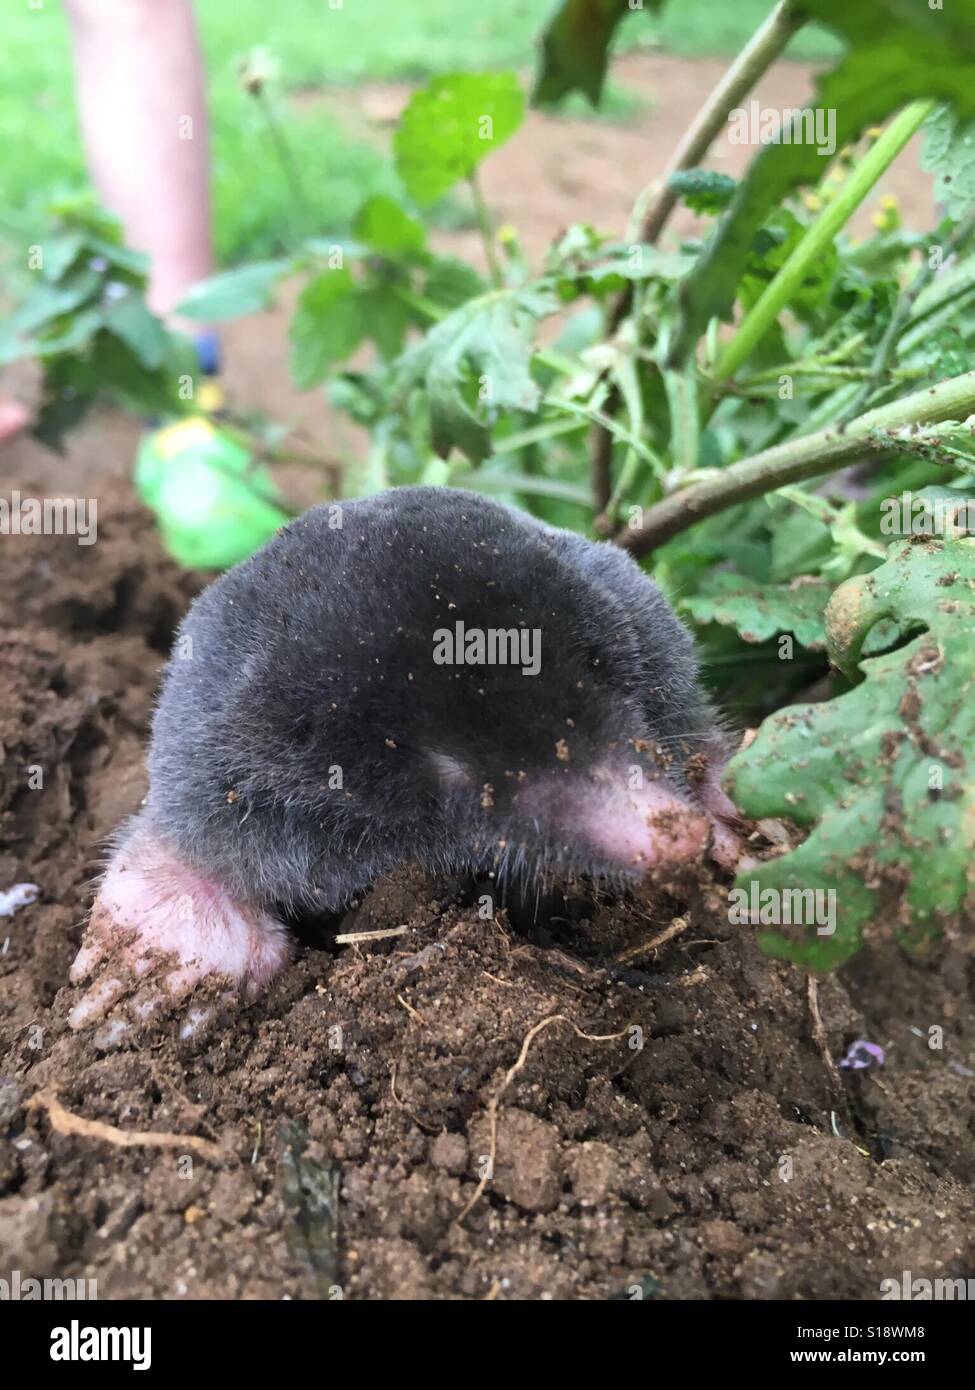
{"x":450,"y":126}
{"x":760,"y":611}
{"x":327,"y":326}
{"x":949,"y":153}
{"x":48,"y":302}
{"x":474,"y":363}
{"x":884,"y":774}
{"x":236,"y":292}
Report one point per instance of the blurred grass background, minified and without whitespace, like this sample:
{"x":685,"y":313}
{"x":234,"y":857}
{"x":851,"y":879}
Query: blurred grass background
{"x":314,"y":46}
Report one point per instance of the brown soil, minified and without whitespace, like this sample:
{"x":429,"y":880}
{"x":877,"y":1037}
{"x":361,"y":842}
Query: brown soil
{"x":352,"y":1107}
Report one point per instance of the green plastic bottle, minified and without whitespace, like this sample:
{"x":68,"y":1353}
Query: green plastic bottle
{"x":214,"y":507}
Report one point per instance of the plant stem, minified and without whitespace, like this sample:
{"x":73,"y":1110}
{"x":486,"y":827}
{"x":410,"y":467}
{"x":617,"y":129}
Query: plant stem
{"x":819,"y":236}
{"x":486,"y":229}
{"x":809,"y":456}
{"x":752,"y":63}
{"x":285,"y":157}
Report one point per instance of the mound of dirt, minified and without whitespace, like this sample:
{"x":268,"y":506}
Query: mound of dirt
{"x":521,"y":1106}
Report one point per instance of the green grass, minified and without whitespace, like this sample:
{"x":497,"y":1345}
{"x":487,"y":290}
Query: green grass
{"x":313,"y":44}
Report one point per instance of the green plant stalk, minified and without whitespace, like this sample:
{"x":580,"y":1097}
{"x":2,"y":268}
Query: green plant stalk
{"x":819,"y":236}
{"x":486,"y":228}
{"x":809,"y":456}
{"x":685,"y":430}
{"x":654,"y":207}
{"x":285,"y":157}
{"x":536,"y":434}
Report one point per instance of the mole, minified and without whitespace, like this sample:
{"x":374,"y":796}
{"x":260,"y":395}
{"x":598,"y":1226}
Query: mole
{"x":424,"y":676}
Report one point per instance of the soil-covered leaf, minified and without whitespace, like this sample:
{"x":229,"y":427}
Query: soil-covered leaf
{"x":760,"y":611}
{"x":884,"y":774}
{"x":949,"y":153}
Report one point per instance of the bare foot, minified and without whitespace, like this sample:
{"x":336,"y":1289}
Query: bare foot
{"x":157,"y":930}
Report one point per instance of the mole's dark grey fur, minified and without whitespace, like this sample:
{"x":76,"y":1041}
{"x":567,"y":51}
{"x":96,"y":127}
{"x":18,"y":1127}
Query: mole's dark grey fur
{"x":306,"y":740}
{"x":316,"y":656}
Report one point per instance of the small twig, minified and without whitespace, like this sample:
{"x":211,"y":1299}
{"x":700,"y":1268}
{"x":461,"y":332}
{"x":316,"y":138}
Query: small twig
{"x":64,"y":1122}
{"x":678,"y":925}
{"x":414,"y":1013}
{"x":347,"y":938}
{"x":510,"y":1075}
{"x":401,"y":1104}
{"x":822,"y":1043}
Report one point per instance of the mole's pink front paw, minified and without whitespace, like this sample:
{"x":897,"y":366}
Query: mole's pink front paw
{"x":157,"y":930}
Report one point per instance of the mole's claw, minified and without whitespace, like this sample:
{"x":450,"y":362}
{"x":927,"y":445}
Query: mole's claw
{"x":96,"y":1003}
{"x":112,"y":1034}
{"x":91,"y":953}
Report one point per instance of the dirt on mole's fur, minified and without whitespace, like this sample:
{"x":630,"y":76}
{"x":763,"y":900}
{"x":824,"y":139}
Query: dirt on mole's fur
{"x":684,"y":1147}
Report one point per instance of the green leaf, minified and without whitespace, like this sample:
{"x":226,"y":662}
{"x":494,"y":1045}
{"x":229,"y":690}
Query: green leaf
{"x":774,"y":244}
{"x":236,"y":292}
{"x":949,"y":153}
{"x":885,"y":774}
{"x":897,"y":53}
{"x":452,"y":282}
{"x":48,"y":303}
{"x":326,"y":327}
{"x":760,"y":611}
{"x":130,"y":320}
{"x":389,"y":230}
{"x":473,"y":364}
{"x":575,"y":48}
{"x":60,"y":254}
{"x":385,"y":318}
{"x":450,"y":125}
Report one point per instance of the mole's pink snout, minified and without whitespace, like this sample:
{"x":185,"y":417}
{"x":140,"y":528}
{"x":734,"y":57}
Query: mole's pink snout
{"x":645,"y":828}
